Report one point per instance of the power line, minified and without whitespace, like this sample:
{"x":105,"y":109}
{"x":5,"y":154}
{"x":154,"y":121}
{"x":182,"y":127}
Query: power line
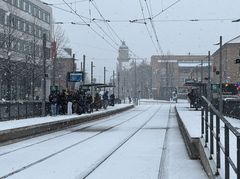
{"x":73,"y":2}
{"x":139,"y":20}
{"x":108,"y":25}
{"x":154,"y":29}
{"x":90,"y":26}
{"x":165,"y":9}
{"x":111,"y":30}
{"x":145,"y":23}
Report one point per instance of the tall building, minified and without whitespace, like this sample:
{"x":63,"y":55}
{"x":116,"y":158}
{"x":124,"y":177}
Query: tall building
{"x":22,"y":25}
{"x":123,"y":63}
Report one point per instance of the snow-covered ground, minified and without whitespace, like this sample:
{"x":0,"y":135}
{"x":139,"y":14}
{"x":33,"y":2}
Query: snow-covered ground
{"x":5,"y":125}
{"x":144,"y":142}
{"x":192,"y":121}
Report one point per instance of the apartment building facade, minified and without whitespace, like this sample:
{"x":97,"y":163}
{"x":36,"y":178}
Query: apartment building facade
{"x":230,"y":69}
{"x":22,"y":25}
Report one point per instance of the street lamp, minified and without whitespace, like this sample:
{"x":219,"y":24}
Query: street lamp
{"x":92,"y":93}
{"x":220,"y":76}
{"x":112,"y":78}
{"x":104,"y":77}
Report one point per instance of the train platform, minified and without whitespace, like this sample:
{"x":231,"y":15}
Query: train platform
{"x":15,"y":130}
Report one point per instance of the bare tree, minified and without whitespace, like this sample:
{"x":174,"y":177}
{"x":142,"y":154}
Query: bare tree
{"x":61,"y":42}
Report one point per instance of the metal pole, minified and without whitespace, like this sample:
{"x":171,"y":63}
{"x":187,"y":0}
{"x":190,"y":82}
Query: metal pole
{"x":84,"y":63}
{"x":209,"y":77}
{"x":118,"y":83}
{"x":124,"y":88}
{"x":104,"y":77}
{"x":201,"y":71}
{"x":44,"y":76}
{"x":74,"y":69}
{"x":220,"y":79}
{"x":135,"y":82}
{"x":113,"y":81}
{"x":91,"y":78}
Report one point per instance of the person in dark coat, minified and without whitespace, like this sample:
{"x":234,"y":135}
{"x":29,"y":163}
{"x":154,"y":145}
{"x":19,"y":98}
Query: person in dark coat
{"x":112,"y":99}
{"x":97,"y":101}
{"x":63,"y":102}
{"x":105,"y":99}
{"x":53,"y":99}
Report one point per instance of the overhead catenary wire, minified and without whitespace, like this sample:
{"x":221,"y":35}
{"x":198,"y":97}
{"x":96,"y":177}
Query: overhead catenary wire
{"x":165,"y":9}
{"x":139,"y":20}
{"x":90,"y":26}
{"x":110,"y":29}
{"x":145,"y":23}
{"x":73,"y":2}
{"x":108,"y":25}
{"x":154,"y":29}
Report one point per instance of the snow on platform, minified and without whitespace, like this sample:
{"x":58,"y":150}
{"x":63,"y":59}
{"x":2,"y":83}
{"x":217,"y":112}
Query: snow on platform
{"x":191,"y":118}
{"x":13,"y":124}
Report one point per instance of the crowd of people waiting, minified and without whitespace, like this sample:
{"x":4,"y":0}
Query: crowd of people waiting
{"x":79,"y":102}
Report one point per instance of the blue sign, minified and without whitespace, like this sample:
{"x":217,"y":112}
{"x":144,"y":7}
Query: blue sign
{"x":75,"y":77}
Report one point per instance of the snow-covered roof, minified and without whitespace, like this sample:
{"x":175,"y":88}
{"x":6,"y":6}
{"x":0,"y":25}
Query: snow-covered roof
{"x":192,"y":64}
{"x":64,"y":54}
{"x":234,"y":40}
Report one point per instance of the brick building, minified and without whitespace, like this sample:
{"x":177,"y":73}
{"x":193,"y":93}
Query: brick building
{"x":171,"y":71}
{"x":64,"y":64}
{"x":231,"y":70}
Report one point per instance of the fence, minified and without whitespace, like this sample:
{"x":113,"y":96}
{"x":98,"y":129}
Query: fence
{"x":218,"y":135}
{"x":231,"y":107}
{"x":11,"y":110}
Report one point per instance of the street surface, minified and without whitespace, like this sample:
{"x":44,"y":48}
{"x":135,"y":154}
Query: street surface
{"x":144,"y":142}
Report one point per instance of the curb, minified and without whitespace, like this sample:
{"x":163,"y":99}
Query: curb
{"x":29,"y":131}
{"x":190,"y":143}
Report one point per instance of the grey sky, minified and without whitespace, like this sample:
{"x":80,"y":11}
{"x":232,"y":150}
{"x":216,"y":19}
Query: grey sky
{"x":175,"y":37}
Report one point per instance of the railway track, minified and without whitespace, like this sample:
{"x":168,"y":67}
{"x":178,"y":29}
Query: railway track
{"x":65,"y":148}
{"x":65,"y":134}
{"x":116,"y":148}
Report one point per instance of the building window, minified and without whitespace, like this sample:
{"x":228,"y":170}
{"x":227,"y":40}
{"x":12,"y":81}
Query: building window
{"x":30,"y":28}
{"x":21,"y":4}
{"x":2,"y":16}
{"x":24,"y":26}
{"x":41,"y":14}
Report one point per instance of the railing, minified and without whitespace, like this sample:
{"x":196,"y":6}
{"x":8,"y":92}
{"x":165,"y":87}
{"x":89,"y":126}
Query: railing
{"x":231,"y":107}
{"x":10,"y":110}
{"x":219,"y":135}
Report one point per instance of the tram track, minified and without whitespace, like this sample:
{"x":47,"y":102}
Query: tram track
{"x":161,"y":171}
{"x":116,"y":148}
{"x":68,"y":147}
{"x":65,"y":134}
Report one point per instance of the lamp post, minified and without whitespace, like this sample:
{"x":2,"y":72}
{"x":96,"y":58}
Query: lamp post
{"x":209,"y":76}
{"x":92,"y":92}
{"x":104,"y":77}
{"x":44,"y":76}
{"x":220,"y":78}
{"x":112,"y":79}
